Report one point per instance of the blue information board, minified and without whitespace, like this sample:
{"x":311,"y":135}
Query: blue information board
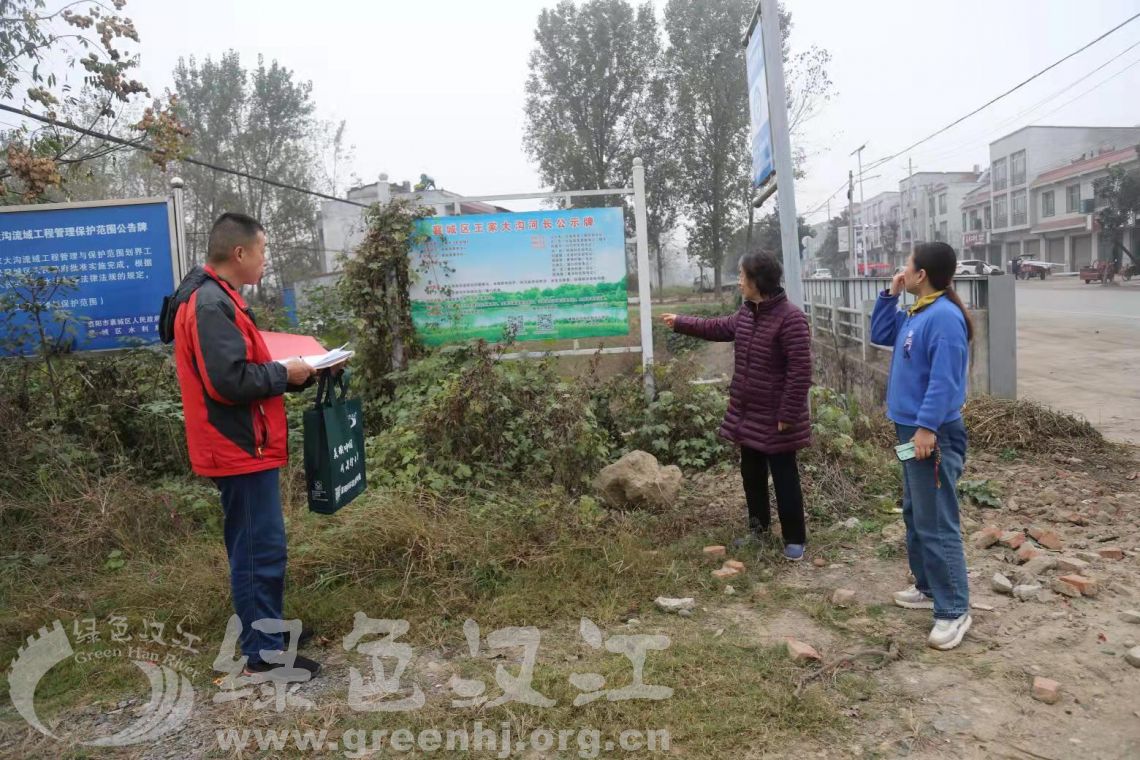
{"x":760,"y":136}
{"x":118,"y":257}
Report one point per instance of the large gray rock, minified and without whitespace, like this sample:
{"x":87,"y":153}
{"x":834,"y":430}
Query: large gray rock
{"x":638,"y":481}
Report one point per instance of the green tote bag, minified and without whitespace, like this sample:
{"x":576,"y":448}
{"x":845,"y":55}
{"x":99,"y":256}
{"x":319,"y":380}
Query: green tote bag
{"x":334,"y":447}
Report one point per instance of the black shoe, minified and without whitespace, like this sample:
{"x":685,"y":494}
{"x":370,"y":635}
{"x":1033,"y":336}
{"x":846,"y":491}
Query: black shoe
{"x":302,"y":662}
{"x":302,"y":640}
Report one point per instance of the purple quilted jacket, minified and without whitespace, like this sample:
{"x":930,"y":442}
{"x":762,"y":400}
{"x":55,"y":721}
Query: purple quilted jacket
{"x":772,"y":376}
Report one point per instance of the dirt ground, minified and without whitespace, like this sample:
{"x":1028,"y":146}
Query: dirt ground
{"x":974,"y":702}
{"x":1078,"y":349}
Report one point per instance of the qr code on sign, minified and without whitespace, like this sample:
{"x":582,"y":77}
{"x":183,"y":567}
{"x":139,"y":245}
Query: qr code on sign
{"x":515,"y":325}
{"x":545,"y":323}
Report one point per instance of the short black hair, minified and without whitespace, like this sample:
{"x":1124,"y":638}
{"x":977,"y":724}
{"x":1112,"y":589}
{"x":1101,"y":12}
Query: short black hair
{"x":764,"y":269}
{"x":229,"y":231}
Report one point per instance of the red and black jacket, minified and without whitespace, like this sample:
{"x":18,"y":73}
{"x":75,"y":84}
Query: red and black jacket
{"x":231,"y":388}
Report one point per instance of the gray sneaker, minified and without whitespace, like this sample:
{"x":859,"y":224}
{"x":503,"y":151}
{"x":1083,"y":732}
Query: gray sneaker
{"x":948,"y":634}
{"x":913,"y":599}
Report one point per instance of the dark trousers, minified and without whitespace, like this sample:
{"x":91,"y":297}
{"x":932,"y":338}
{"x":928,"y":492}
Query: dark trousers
{"x":754,"y":467}
{"x":255,"y":542}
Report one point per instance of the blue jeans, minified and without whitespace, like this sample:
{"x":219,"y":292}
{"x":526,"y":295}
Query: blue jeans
{"x":933,"y":533}
{"x":255,"y":543}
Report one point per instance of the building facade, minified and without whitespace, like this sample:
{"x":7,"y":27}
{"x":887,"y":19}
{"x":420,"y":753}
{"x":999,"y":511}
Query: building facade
{"x":1033,"y":172}
{"x":880,"y":220}
{"x":930,"y":203}
{"x":343,"y":224}
{"x":977,"y":221}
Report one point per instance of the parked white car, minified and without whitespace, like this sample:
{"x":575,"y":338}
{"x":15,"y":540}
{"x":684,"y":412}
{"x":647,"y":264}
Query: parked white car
{"x":977,"y":266}
{"x":821,"y":274}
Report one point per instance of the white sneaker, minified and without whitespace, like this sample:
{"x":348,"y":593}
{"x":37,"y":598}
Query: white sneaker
{"x":913,"y":599}
{"x":948,"y":634}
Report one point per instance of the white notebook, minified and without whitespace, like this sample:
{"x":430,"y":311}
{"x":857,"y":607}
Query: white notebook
{"x":327,"y":359}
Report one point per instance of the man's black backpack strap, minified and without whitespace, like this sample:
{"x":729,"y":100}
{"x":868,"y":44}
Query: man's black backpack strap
{"x":172,"y":302}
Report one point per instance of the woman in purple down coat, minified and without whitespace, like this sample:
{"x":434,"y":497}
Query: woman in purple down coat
{"x":768,"y":399}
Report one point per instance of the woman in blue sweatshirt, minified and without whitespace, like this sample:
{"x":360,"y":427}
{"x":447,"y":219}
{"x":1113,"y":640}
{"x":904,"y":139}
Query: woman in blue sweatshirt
{"x":925,"y":394}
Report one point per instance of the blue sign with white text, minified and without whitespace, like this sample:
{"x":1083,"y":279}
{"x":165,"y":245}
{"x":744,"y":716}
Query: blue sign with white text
{"x":106,"y":269}
{"x":760,"y":134}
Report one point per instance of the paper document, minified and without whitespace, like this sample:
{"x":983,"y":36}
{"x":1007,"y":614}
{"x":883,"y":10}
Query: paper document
{"x":323,"y":361}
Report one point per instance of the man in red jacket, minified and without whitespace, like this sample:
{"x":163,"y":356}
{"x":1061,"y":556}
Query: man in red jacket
{"x":235,"y":423}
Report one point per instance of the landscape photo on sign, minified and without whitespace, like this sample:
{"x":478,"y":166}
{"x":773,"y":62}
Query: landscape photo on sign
{"x":106,"y":269}
{"x":541,"y":275}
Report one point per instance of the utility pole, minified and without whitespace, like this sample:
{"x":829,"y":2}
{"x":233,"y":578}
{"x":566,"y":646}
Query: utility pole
{"x":910,"y":184}
{"x":862,"y":210}
{"x":851,"y":223}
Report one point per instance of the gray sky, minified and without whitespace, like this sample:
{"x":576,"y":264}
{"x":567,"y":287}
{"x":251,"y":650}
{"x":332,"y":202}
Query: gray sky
{"x":437,"y":86}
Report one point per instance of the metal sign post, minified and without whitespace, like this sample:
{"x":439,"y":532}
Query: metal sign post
{"x":179,"y":227}
{"x":766,"y":23}
{"x":645,"y":303}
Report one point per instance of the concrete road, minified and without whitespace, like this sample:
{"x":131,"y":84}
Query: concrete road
{"x":1078,"y":349}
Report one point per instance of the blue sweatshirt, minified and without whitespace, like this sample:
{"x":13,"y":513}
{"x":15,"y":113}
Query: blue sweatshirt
{"x":927,"y":385}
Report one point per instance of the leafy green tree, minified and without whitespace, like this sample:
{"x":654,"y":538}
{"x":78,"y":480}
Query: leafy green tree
{"x":260,"y":121}
{"x":707,"y":74}
{"x":591,"y":76}
{"x":1119,"y":191}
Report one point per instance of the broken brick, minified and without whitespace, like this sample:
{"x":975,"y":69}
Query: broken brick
{"x":1046,"y":690}
{"x":1087,"y":586}
{"x":799,"y":651}
{"x":714,"y":551}
{"x":725,"y":572}
{"x":1027,"y":552}
{"x":1111,"y":552}
{"x":1013,"y":539}
{"x":734,"y":564}
{"x":986,"y":537}
{"x":1065,"y":588}
{"x":1047,"y":538}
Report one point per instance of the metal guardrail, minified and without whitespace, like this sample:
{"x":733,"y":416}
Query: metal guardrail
{"x":852,"y":292}
{"x":840,"y":308}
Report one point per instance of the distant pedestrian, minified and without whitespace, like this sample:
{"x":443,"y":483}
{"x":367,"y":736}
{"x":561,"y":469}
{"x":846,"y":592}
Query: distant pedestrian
{"x":925,"y":394}
{"x":768,"y":398}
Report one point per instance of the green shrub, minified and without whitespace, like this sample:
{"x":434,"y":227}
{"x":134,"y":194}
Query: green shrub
{"x":461,"y":417}
{"x":679,"y":427}
{"x":678,"y":344}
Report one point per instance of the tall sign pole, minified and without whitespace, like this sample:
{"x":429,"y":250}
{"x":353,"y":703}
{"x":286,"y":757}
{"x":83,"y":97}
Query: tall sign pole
{"x":644,"y":296}
{"x":771,"y":142}
{"x":851,"y":225}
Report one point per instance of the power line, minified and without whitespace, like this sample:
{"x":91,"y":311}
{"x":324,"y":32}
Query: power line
{"x":1096,"y":86}
{"x":138,"y":145}
{"x":998,"y":128}
{"x":826,"y":200}
{"x":1011,"y":90}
